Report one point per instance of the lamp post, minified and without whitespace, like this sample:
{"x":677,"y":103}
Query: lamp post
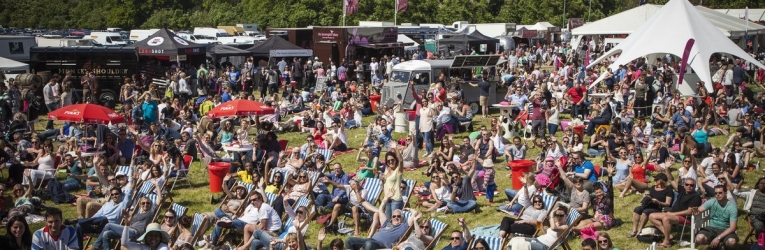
{"x":564,"y":14}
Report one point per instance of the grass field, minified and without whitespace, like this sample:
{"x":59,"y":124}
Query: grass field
{"x":196,"y":198}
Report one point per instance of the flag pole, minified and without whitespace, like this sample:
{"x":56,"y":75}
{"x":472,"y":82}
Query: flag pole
{"x":395,"y":13}
{"x":345,"y":2}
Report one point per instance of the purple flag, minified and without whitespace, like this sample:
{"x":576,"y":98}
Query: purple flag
{"x":351,"y":6}
{"x":684,"y":61}
{"x":402,"y":5}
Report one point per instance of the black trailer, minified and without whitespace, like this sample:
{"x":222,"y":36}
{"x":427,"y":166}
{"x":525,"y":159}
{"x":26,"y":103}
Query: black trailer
{"x":111,"y":66}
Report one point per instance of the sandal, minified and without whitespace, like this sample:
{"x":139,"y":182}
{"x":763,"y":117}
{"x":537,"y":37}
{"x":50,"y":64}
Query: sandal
{"x":631,"y":235}
{"x":665,"y":246}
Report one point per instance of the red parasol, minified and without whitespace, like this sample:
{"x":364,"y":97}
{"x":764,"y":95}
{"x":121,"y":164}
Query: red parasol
{"x":86,"y":113}
{"x":240,"y":108}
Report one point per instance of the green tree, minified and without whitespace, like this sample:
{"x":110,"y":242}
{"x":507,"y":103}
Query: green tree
{"x":168,"y":18}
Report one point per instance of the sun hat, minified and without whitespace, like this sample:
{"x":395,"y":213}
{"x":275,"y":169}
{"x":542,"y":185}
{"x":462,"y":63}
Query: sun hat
{"x":488,"y":163}
{"x":549,"y":158}
{"x":154,"y":227}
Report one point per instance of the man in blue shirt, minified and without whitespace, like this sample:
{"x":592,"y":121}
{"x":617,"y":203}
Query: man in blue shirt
{"x":518,"y":101}
{"x":681,"y":118}
{"x":583,"y":169}
{"x":110,"y":212}
{"x":459,"y":240}
{"x":225,"y":96}
{"x":125,"y":145}
{"x":149,"y":109}
{"x":339,"y":197}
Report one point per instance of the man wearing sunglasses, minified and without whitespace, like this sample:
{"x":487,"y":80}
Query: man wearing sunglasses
{"x":457,"y":241}
{"x":391,"y":231}
{"x":722,"y":221}
{"x":110,"y":212}
{"x":251,"y":216}
{"x":687,"y":199}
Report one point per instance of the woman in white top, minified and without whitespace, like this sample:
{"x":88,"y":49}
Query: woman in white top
{"x":298,"y":216}
{"x":553,"y":114}
{"x":66,"y":95}
{"x":440,"y":192}
{"x":558,"y":225}
{"x":45,"y":166}
{"x":153,"y":239}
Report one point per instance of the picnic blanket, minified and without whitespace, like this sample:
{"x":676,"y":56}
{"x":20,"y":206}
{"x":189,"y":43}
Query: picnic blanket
{"x":486,"y":231}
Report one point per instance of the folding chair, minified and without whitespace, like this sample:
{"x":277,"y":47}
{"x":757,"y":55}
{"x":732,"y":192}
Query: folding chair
{"x":652,"y":247}
{"x":549,"y":201}
{"x":747,"y":208}
{"x":438,"y":229}
{"x":271,"y":197}
{"x":408,"y":192}
{"x":183,"y":172}
{"x":283,"y":144}
{"x":408,"y":231}
{"x":494,"y":242}
{"x":698,"y":222}
{"x":572,"y":220}
{"x":326,"y":153}
{"x":198,"y":227}
{"x":284,"y":173}
{"x":373,"y":186}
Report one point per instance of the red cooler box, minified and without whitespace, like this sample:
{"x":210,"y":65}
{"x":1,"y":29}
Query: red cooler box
{"x":217,"y":171}
{"x":519,"y":168}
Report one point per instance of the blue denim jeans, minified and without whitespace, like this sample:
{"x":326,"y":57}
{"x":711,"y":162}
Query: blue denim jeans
{"x":490,"y":191}
{"x":428,"y":143}
{"x":515,"y":207}
{"x":390,"y":207}
{"x":220,"y":214}
{"x":238,"y":224}
{"x":461,"y":206}
{"x":112,"y":231}
{"x":552,"y":128}
{"x":363,"y":243}
{"x":90,"y":226}
{"x":417,"y":130}
{"x":72,"y":185}
{"x":595,"y":152}
{"x":351,"y":124}
{"x":261,"y":239}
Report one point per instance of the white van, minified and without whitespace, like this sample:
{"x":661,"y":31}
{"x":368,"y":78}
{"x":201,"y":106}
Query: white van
{"x":199,"y":39}
{"x":138,"y":35}
{"x":107,"y":38}
{"x":222,"y":36}
{"x":117,"y":30}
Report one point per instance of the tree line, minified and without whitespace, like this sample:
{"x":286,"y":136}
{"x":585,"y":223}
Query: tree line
{"x":186,"y":14}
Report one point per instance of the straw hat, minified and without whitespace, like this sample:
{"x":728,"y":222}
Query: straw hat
{"x":154,"y":227}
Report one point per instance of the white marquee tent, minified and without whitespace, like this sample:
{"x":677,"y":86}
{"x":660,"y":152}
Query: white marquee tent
{"x":629,"y":21}
{"x":668,"y":31}
{"x":11,"y":65}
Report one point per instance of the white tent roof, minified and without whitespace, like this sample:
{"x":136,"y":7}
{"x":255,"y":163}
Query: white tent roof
{"x":629,"y":21}
{"x":668,"y":31}
{"x":405,"y":39}
{"x":10,"y":65}
{"x":754,"y":14}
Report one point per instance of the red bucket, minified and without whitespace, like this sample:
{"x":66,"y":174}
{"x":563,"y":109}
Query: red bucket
{"x":217,"y":171}
{"x":519,"y":168}
{"x":412,"y":114}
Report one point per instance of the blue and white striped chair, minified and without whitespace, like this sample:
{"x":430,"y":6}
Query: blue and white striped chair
{"x":271,"y":197}
{"x":284,"y":173}
{"x":408,"y":192}
{"x":198,"y":227}
{"x":549,"y":201}
{"x":374,"y":188}
{"x":494,"y":242}
{"x":572,"y":220}
{"x":314,"y":177}
{"x":438,"y":228}
{"x":125,"y":169}
{"x":326,"y":153}
{"x":249,"y":187}
{"x":179,"y":209}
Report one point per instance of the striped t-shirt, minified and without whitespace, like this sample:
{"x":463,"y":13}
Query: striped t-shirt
{"x":42,"y":240}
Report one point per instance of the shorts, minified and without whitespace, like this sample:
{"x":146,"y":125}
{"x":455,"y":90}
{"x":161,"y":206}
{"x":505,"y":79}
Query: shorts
{"x":711,"y":233}
{"x":646,"y":210}
{"x":681,"y":219}
{"x":483,"y":100}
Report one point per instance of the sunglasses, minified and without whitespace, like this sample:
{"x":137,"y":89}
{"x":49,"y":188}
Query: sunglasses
{"x":169,"y":217}
{"x":689,"y":185}
{"x":538,"y":202}
{"x":719,"y":192}
{"x":303,"y":176}
{"x":560,"y":215}
{"x":114,"y":194}
{"x":145,"y":203}
{"x":603,"y":241}
{"x":300,"y":212}
{"x":397,"y":216}
{"x":687,"y":161}
{"x":456,"y":238}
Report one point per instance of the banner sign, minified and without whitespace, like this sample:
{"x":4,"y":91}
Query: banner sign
{"x":291,"y":53}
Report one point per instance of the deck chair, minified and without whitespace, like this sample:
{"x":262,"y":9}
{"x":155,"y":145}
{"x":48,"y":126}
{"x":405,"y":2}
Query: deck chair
{"x":314,"y":177}
{"x":198,"y":227}
{"x":438,"y":229}
{"x":271,"y":197}
{"x":572,"y":220}
{"x":652,"y":246}
{"x":183,"y":173}
{"x":409,"y":189}
{"x":549,"y":201}
{"x":283,"y":144}
{"x":698,"y":221}
{"x":284,"y":173}
{"x":747,"y":209}
{"x":326,"y":153}
{"x":373,"y":186}
{"x":494,"y":242}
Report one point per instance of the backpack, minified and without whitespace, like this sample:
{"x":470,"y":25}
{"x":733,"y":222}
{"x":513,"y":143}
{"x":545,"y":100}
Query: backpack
{"x":342,"y":76}
{"x":58,"y":194}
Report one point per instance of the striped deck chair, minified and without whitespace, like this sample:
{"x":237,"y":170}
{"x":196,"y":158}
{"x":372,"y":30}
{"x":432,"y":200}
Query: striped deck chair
{"x":284,"y":173}
{"x":494,"y":242}
{"x":125,"y":169}
{"x":198,"y":227}
{"x":409,"y":189}
{"x":549,"y":201}
{"x":572,"y":220}
{"x":271,"y":197}
{"x":180,"y":210}
{"x":305,"y":202}
{"x":438,"y":228}
{"x":326,"y":153}
{"x":374,"y":189}
{"x":405,"y":220}
{"x":314,"y":177}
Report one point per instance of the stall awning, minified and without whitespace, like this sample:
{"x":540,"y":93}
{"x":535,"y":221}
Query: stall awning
{"x":386,"y":45}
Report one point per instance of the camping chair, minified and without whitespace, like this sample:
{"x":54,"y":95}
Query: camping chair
{"x":572,"y":220}
{"x":283,"y":144}
{"x":198,"y":227}
{"x":183,"y":172}
{"x":494,"y":242}
{"x":408,"y":192}
{"x":747,"y":208}
{"x":438,"y":229}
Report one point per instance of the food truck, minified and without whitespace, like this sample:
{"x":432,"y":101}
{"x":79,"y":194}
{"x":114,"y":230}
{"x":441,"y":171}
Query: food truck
{"x":460,"y":70}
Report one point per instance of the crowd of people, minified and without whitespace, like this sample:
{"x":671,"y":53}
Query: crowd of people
{"x":638,"y":125}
